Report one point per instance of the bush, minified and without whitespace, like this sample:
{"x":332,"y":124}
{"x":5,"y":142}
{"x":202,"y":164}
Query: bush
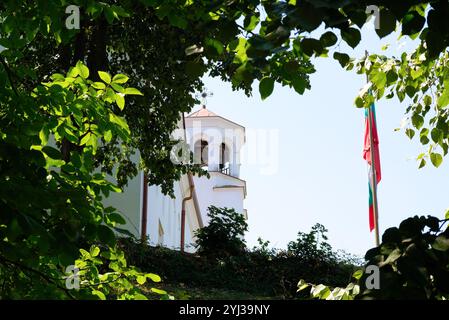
{"x":224,"y":235}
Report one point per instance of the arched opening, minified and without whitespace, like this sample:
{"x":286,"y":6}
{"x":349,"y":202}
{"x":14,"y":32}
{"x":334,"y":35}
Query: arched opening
{"x":201,"y":152}
{"x":224,"y":159}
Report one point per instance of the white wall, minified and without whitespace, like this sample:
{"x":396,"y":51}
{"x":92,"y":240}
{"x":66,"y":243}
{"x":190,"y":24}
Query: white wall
{"x":167,"y":211}
{"x":128,"y":203}
{"x":219,"y":197}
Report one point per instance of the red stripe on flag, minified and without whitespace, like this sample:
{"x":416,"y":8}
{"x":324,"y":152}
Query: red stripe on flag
{"x":367,"y":143}
{"x":371,"y":217}
{"x":371,"y":206}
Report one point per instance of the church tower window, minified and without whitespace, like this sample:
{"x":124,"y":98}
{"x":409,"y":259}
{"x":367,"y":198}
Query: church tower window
{"x":201,"y":152}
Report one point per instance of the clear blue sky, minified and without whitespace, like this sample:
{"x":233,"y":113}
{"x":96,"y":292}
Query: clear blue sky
{"x":322,"y":176}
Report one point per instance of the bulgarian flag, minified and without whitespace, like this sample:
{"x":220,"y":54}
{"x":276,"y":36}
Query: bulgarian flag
{"x":371,"y":113}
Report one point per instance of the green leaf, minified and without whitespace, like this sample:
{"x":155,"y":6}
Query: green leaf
{"x":358,"y":274}
{"x":85,"y":254}
{"x":119,"y":121}
{"x":328,"y":39}
{"x":83,"y":70}
{"x":99,"y":85}
{"x":99,"y":294}
{"x":299,"y":83}
{"x":302,"y":285}
{"x":443,"y":99}
{"x":310,"y":46}
{"x":117,"y":218}
{"x":110,"y":14}
{"x":118,"y":88}
{"x":139,"y":296}
{"x":120,"y":100}
{"x":427,"y":100}
{"x":85,"y":139}
{"x":250,"y":22}
{"x":422,"y":163}
{"x":94,"y":251}
{"x":215,"y":44}
{"x":158,"y":291}
{"x":120,"y":12}
{"x":417,"y":121}
{"x":195,"y":69}
{"x":73,"y":72}
{"x":410,"y":133}
{"x":266,"y":87}
{"x":108,"y":136}
{"x":351,"y":36}
{"x":424,"y":140}
{"x":436,"y":159}
{"x":387,"y":23}
{"x":412,"y":23}
{"x":359,"y":103}
{"x":379,"y":78}
{"x":436,"y":135}
{"x":441,"y":243}
{"x":43,"y":135}
{"x":105,"y":76}
{"x":141,"y":279}
{"x":133,"y":91}
{"x":106,"y":235}
{"x":153,"y":277}
{"x":392,"y":257}
{"x":120,"y":78}
{"x":342,"y":58}
{"x":52,"y":152}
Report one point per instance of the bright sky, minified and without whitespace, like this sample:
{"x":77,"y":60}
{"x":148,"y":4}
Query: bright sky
{"x":321,"y":176}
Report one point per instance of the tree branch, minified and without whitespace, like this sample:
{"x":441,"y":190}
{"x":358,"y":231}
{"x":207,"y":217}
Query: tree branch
{"x":8,"y":72}
{"x":39,"y":273}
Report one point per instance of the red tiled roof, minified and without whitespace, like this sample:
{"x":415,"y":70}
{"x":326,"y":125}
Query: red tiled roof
{"x":203,"y":112}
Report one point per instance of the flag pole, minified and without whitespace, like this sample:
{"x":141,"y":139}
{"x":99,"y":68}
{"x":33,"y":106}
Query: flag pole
{"x":373,"y":172}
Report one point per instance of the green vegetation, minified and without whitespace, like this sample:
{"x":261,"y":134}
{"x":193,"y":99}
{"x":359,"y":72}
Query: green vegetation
{"x":240,"y":272}
{"x":224,"y":235}
{"x":413,"y":263}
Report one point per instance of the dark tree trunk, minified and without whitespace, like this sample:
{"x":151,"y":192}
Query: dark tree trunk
{"x":98,"y":57}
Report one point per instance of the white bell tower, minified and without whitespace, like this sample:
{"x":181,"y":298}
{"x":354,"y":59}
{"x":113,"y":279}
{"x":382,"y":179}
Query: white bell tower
{"x":216,"y":143}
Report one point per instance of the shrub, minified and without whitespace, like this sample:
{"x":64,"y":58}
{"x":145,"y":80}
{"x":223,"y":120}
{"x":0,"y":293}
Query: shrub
{"x":224,"y":235}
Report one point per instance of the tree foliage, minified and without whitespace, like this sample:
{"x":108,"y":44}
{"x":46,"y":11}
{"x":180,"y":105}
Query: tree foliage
{"x":312,"y":245}
{"x":224,"y":234}
{"x":52,"y":202}
{"x":413,"y":263}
